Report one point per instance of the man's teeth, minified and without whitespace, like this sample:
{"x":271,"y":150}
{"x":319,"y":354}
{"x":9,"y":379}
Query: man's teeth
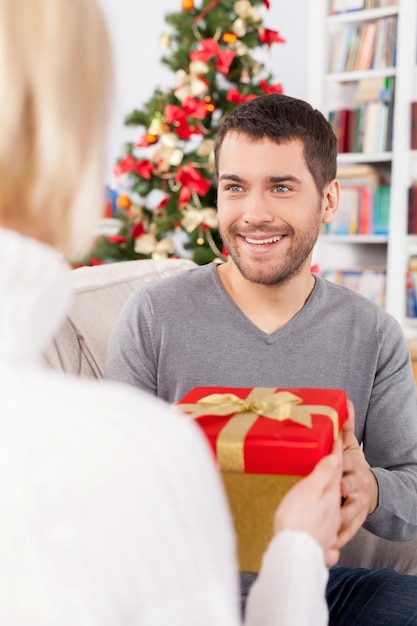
{"x":259,"y":242}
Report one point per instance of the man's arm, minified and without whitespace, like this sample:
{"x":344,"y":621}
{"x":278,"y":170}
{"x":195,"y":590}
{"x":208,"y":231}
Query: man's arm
{"x":359,"y":485}
{"x":131,"y":357}
{"x":390,"y":440}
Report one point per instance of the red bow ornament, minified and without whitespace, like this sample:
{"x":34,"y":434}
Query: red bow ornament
{"x":207,"y":49}
{"x":191,"y":180}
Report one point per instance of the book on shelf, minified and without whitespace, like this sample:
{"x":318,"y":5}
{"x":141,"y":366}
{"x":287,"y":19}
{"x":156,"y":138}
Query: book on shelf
{"x":344,"y":122}
{"x":381,"y":210}
{"x":364,"y":205}
{"x":413,"y":126}
{"x":360,"y":174}
{"x":363,"y":210}
{"x":341,"y":47}
{"x":368,"y":127}
{"x":365,"y":46}
{"x":411,"y":287}
{"x":369,"y":282}
{"x":365,"y":129}
{"x":412,"y":210}
{"x":353,"y":49}
{"x":389,"y":48}
{"x":343,"y":6}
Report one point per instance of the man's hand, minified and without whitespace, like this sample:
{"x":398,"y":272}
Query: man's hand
{"x":359,"y":485}
{"x":313,"y":505}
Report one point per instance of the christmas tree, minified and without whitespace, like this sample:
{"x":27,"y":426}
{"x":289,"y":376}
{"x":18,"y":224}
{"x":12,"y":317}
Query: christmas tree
{"x":165,"y":180}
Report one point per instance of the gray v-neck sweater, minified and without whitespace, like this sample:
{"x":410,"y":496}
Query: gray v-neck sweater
{"x":185,"y":331}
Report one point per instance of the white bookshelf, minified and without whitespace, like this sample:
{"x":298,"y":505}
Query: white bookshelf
{"x":328,"y":91}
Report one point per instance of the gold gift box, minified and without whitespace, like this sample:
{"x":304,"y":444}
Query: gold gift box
{"x":265,"y":439}
{"x":253,"y":499}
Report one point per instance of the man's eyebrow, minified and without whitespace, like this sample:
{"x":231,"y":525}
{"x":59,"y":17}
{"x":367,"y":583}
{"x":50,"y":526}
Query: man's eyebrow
{"x":234,"y":177}
{"x":287,"y":178}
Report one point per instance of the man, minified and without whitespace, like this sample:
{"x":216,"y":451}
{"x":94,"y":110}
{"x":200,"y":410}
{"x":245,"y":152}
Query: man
{"x":262,"y":319}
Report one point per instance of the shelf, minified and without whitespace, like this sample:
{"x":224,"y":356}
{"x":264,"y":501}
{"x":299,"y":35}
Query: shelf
{"x":354,"y":239}
{"x":361,"y":157}
{"x":337,"y":91}
{"x":361,"y":16}
{"x":352,"y":77}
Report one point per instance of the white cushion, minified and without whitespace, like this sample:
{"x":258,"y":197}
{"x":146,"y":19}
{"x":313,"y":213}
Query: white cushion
{"x":100,"y":292}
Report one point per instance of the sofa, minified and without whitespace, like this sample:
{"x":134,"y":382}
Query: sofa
{"x":80,"y":345}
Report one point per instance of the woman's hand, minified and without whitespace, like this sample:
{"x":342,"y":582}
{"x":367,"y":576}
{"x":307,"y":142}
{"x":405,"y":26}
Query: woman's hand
{"x":313,"y":505}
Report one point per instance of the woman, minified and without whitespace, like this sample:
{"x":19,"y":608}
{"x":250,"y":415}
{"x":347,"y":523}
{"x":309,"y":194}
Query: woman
{"x":113,"y":512}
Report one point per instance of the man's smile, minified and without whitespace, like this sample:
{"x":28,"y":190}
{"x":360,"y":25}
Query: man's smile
{"x":260,"y":242}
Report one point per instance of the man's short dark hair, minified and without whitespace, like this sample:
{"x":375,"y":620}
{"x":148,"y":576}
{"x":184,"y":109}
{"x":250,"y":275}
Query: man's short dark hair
{"x":281,"y":119}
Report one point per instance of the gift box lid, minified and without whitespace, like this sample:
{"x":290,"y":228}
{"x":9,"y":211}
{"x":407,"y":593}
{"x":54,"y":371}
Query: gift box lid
{"x":267,"y":430}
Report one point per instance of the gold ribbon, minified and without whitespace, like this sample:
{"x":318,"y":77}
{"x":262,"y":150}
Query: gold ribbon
{"x":246,"y":14}
{"x":167,"y":153}
{"x":191,"y":84}
{"x":194,"y":217}
{"x":278,"y":406}
{"x":149,"y":245}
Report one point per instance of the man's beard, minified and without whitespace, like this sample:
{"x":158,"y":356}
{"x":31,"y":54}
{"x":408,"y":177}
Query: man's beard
{"x":260,"y":270}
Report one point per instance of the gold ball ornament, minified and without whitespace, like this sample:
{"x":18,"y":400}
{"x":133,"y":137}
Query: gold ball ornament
{"x":210,"y":106}
{"x":200,"y":241}
{"x":123,"y":202}
{"x":187,"y":5}
{"x":229,"y":37}
{"x":151,"y":138}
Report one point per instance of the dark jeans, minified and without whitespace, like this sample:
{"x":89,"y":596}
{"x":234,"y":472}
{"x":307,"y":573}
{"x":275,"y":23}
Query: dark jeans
{"x":362,"y":597}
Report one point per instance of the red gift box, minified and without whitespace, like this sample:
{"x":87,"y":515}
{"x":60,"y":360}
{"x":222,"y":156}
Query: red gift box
{"x":264,"y":440}
{"x":299,"y":431}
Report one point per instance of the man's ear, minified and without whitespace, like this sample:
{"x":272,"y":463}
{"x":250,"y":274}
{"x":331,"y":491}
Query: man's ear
{"x":330,"y":203}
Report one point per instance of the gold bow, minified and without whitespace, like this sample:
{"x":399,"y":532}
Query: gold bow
{"x":194,"y":217}
{"x":278,"y":406}
{"x":246,"y":13}
{"x":167,"y":154}
{"x":148,"y":244}
{"x":206,"y":149}
{"x":191,"y":84}
{"x":156,"y":127}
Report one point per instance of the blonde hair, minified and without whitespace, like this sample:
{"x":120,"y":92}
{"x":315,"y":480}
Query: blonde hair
{"x":55,"y":85}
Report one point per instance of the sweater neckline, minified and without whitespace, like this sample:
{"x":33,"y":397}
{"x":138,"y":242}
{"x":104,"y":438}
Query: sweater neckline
{"x":268,"y":337}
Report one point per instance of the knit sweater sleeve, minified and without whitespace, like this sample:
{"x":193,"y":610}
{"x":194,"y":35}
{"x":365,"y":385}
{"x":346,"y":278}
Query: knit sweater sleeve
{"x":290,"y":588}
{"x":116,"y":515}
{"x":390,"y":439}
{"x":115,"y":512}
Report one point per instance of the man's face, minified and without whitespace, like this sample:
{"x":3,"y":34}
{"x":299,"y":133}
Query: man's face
{"x":269,"y":209}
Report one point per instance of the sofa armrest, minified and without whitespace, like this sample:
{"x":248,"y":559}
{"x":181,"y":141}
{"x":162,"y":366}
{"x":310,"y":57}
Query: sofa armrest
{"x":372,"y":552}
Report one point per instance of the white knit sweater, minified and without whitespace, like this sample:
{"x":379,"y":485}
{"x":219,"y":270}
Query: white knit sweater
{"x":112,"y":512}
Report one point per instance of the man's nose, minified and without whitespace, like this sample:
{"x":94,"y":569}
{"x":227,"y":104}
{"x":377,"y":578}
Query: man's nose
{"x":257,"y":209}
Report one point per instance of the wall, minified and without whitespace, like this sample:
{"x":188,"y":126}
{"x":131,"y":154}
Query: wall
{"x":135,"y":30}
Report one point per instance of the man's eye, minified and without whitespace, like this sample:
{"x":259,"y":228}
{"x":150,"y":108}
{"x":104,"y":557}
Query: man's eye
{"x":281,"y":188}
{"x":234,"y":188}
